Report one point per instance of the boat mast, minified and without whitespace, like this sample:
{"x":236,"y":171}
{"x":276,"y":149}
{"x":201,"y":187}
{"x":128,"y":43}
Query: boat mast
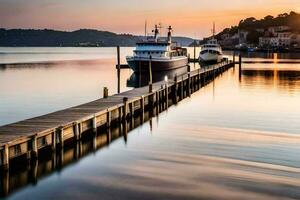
{"x":214,"y":30}
{"x":170,"y":34}
{"x":156,"y":32}
{"x":146,"y":28}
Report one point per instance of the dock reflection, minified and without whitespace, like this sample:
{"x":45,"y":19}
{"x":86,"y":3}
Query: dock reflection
{"x":50,"y":162}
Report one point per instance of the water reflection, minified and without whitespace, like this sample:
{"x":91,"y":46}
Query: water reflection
{"x":286,"y":81}
{"x":230,"y":140}
{"x":141,"y":79}
{"x":20,"y":175}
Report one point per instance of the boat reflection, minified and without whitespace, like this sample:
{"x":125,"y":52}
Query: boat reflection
{"x":137,"y":80}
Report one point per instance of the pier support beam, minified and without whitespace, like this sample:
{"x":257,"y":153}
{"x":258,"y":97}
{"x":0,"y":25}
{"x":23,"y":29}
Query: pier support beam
{"x":167,"y":96}
{"x":240,"y":67}
{"x":60,"y":132}
{"x":150,"y":75}
{"x":125,"y":108}
{"x":5,"y":157}
{"x":95,"y":124}
{"x":76,"y":131}
{"x":53,"y":137}
{"x":181,"y":88}
{"x":119,"y":68}
{"x":108,"y":118}
{"x":175,"y":89}
{"x":142,"y":108}
{"x":34,"y":148}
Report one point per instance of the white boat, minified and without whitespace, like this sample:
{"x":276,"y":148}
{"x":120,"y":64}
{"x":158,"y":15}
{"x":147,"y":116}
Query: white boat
{"x":211,"y":52}
{"x":164,"y":54}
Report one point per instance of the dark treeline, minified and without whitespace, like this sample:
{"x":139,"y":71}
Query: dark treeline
{"x":82,"y":37}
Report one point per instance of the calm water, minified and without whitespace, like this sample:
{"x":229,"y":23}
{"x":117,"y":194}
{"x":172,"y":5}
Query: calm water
{"x":237,"y":138}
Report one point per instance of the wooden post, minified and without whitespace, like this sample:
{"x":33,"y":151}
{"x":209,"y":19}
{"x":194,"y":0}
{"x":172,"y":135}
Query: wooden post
{"x":199,"y":79}
{"x":142,"y":108}
{"x":53,"y":140}
{"x":5,"y":158}
{"x":131,"y":108}
{"x":76,"y":131}
{"x":105,"y":92}
{"x":34,"y":148}
{"x":150,"y":75}
{"x":167,"y":95}
{"x":181,"y":88}
{"x":175,"y":89}
{"x":120,"y":114}
{"x":189,"y":81}
{"x":158,"y":99}
{"x":95,"y":124}
{"x":142,"y":104}
{"x":240,"y":66}
{"x":125,"y":108}
{"x":140,"y":74}
{"x":194,"y":50}
{"x":119,"y":68}
{"x":108,"y":118}
{"x":240,"y":62}
{"x":61,"y":136}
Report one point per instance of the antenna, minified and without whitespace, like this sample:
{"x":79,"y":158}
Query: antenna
{"x":214,"y":29}
{"x":145,"y":28}
{"x":159,"y":28}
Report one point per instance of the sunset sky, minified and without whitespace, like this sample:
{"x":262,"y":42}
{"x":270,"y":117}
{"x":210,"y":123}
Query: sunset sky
{"x":192,"y":18}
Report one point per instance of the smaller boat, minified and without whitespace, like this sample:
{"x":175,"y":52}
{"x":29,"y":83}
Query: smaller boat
{"x":211,"y":52}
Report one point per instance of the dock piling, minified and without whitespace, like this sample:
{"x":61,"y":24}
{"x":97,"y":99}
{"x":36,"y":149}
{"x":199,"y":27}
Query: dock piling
{"x":53,"y":137}
{"x":125,"y":108}
{"x":76,"y":131}
{"x":119,"y":68}
{"x":105,"y":92}
{"x":240,"y":66}
{"x":150,"y":75}
{"x":34,"y":148}
{"x":194,"y":50}
{"x":5,"y":157}
{"x":61,"y":136}
{"x":95,"y":124}
{"x":189,"y":81}
{"x":108,"y":119}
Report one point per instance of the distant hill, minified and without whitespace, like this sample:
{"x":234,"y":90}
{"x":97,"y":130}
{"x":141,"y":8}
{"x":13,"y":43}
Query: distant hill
{"x":79,"y":38}
{"x":256,"y":27}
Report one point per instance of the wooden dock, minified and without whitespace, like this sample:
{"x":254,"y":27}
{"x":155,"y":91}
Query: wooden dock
{"x":26,"y":138}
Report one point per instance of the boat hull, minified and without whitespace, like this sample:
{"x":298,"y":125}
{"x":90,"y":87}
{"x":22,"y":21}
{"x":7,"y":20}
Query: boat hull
{"x":142,"y":65}
{"x":210,"y":58}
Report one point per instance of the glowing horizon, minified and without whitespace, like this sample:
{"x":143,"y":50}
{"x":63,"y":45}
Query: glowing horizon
{"x":190,"y":18}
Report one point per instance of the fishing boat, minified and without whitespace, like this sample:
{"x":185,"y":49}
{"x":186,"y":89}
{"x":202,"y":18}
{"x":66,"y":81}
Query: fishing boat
{"x":211,"y":52}
{"x":163,"y":54}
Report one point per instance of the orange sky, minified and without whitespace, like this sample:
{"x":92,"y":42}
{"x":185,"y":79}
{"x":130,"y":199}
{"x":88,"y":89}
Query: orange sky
{"x":192,"y":18}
